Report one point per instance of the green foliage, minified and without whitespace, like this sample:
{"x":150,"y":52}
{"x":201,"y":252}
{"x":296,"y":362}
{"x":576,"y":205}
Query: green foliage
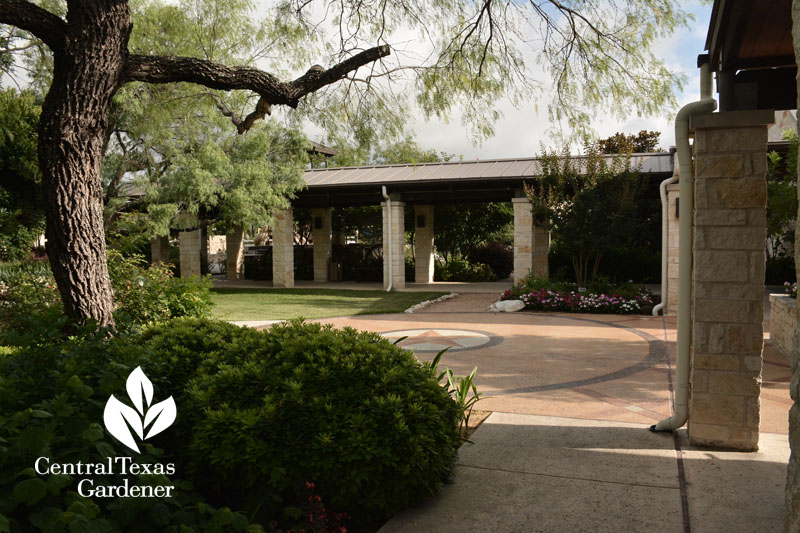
{"x":619,"y":143}
{"x":359,"y":416}
{"x":21,"y":211}
{"x":407,"y":151}
{"x":238,"y":180}
{"x":499,"y":257}
{"x":193,"y":161}
{"x":460,"y":269}
{"x":261,"y":414}
{"x":31,"y":310}
{"x":782,"y":199}
{"x":52,"y":405}
{"x":462,"y":389}
{"x":460,"y":227}
{"x":595,"y":207}
{"x":144,"y":294}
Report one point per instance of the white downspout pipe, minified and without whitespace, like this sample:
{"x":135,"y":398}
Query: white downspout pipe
{"x":389,"y":237}
{"x":662,"y":189}
{"x":705,"y":105}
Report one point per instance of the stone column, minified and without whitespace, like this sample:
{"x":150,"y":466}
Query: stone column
{"x":672,"y":249}
{"x":283,"y":248}
{"x":159,"y":250}
{"x":234,"y":253}
{"x":217,"y":253}
{"x":523,"y":237}
{"x":190,"y":244}
{"x":531,"y":242}
{"x":728,"y":280}
{"x":398,"y":245}
{"x":322,"y":234}
{"x":423,"y":243}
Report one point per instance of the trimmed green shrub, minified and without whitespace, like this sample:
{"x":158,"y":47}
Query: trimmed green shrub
{"x":263,"y":418}
{"x":498,"y":256}
{"x":457,"y":269}
{"x":52,"y":405}
{"x":360,"y":417}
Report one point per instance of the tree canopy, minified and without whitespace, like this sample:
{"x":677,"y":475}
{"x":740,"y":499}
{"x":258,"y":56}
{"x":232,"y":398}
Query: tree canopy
{"x":381,"y":55}
{"x":620,"y":143}
{"x":21,"y":213}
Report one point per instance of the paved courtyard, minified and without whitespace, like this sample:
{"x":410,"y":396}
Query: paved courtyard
{"x":567,"y":447}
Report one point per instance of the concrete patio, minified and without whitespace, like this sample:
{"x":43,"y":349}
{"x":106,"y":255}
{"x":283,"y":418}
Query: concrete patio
{"x":567,"y":447}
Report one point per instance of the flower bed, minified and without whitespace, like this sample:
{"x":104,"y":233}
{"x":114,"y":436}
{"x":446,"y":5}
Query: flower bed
{"x":542,"y":295}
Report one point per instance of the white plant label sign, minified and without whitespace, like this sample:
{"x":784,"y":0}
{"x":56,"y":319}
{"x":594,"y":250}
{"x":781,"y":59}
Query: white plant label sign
{"x":120,"y":419}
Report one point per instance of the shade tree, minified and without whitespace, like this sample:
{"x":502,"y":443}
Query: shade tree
{"x":596,"y":53}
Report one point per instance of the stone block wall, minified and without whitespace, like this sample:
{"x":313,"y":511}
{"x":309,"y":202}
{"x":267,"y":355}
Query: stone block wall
{"x":728,"y":284}
{"x":398,"y":245}
{"x":323,"y":241}
{"x":283,"y":248}
{"x":782,"y":320}
{"x":423,"y":244}
{"x":234,"y":254}
{"x":159,"y":250}
{"x":216,"y":254}
{"x":672,"y":249}
{"x":531,"y":242}
{"x":190,"y":252}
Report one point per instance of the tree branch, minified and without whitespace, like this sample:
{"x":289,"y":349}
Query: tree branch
{"x":272,"y":91}
{"x":40,"y":22}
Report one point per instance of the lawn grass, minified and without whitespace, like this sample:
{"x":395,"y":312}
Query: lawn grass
{"x":284,"y":304}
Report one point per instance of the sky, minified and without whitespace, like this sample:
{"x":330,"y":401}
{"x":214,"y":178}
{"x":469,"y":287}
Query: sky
{"x":523,"y":131}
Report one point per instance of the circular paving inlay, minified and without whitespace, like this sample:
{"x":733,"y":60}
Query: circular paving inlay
{"x":436,"y":340}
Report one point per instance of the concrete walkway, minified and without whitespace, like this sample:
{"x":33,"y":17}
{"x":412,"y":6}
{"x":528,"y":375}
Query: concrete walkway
{"x":529,"y":473}
{"x":489,"y":287}
{"x":567,"y":447}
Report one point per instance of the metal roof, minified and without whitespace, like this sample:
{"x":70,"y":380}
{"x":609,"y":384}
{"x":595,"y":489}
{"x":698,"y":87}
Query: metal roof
{"x":461,"y":171}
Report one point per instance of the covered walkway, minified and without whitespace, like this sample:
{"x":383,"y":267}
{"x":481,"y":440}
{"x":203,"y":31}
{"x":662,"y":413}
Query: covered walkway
{"x":422,"y":186}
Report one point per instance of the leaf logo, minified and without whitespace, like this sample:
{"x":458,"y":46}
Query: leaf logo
{"x":120,"y":419}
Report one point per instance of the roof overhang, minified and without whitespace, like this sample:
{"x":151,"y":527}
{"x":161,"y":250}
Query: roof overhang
{"x":495,"y":180}
{"x":751,"y":50}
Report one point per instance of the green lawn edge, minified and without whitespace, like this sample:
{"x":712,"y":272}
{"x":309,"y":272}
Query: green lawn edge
{"x":285,"y":304}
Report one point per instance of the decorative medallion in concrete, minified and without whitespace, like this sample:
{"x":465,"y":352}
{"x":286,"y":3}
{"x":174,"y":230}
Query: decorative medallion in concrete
{"x":436,"y":340}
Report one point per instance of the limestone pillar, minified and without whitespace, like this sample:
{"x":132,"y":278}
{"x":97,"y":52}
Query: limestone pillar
{"x":159,"y":250}
{"x":283,"y":248}
{"x":398,"y":245}
{"x":728,"y":280}
{"x":672,"y":249}
{"x":423,"y":243}
{"x":531,"y":242}
{"x":190,"y":245}
{"x":234,"y":253}
{"x":322,"y":234}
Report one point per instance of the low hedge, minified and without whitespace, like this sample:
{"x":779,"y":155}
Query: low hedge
{"x":262,"y":416}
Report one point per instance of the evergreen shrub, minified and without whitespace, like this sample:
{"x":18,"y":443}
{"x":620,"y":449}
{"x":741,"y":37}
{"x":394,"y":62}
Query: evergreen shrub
{"x":261,"y":417}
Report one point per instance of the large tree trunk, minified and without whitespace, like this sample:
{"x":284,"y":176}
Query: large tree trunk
{"x":88,"y":72}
